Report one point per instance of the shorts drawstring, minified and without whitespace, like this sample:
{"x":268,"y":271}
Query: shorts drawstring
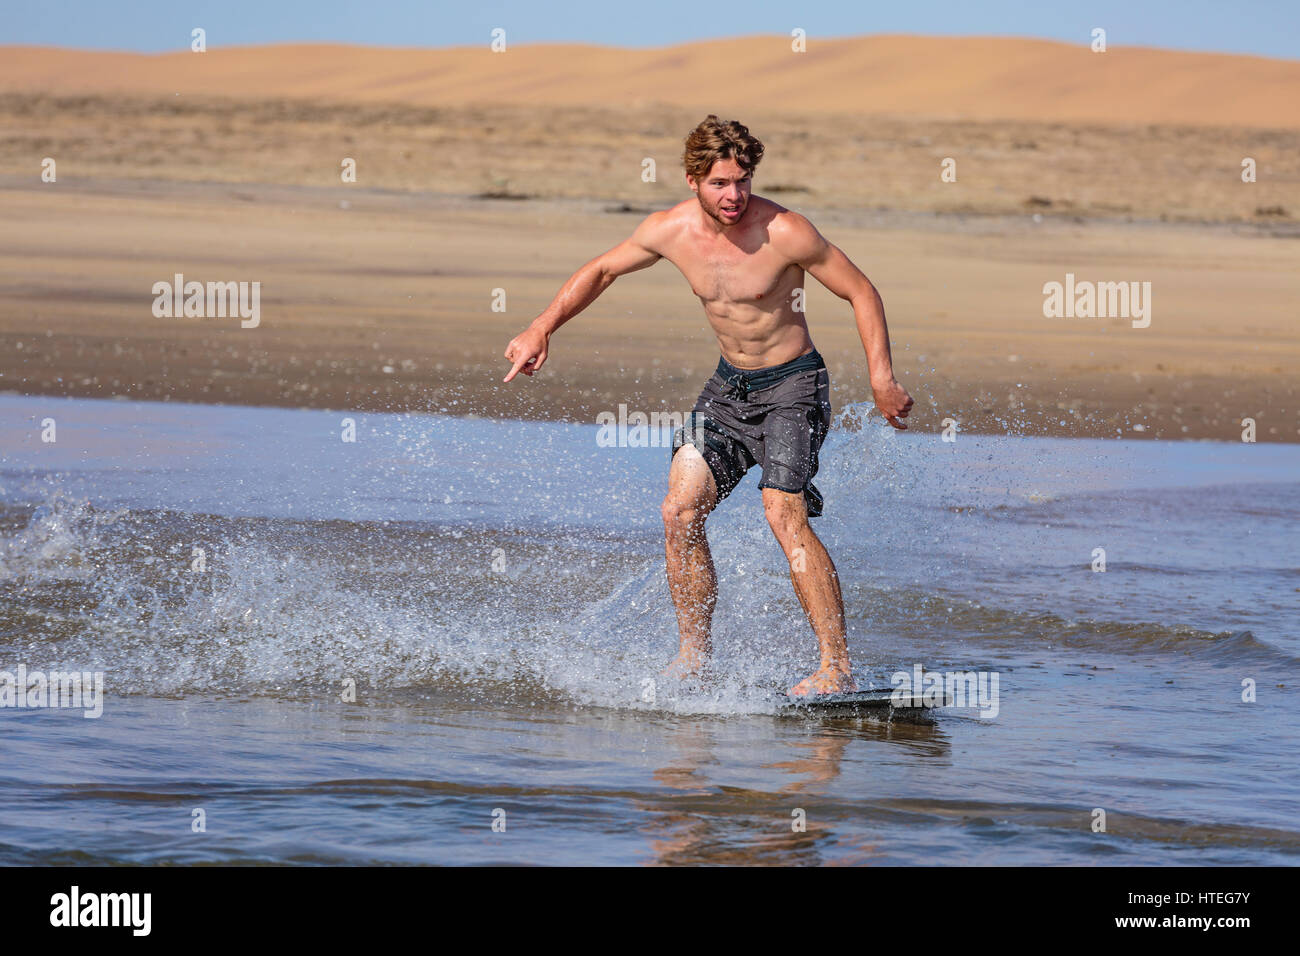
{"x":742,"y":383}
{"x":739,"y":386}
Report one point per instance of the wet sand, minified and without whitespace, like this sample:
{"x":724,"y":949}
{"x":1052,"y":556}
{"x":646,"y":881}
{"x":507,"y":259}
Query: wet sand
{"x":378,"y":299}
{"x":478,"y":172}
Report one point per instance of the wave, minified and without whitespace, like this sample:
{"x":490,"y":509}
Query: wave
{"x":168,"y":603}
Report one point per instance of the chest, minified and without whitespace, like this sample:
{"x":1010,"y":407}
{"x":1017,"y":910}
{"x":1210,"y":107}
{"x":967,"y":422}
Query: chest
{"x":724,"y":273}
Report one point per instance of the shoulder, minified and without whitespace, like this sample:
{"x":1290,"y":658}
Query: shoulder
{"x":657,"y":228}
{"x":793,"y":234}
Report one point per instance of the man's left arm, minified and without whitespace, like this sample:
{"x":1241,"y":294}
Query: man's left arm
{"x":826,"y":263}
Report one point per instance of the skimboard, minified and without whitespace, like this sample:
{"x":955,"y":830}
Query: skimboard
{"x":877,"y":702}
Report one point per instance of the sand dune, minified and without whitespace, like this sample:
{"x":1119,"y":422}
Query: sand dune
{"x":971,"y":78}
{"x":226,"y":165}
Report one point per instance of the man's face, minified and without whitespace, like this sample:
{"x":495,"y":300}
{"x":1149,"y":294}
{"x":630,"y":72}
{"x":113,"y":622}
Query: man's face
{"x":724,"y":192}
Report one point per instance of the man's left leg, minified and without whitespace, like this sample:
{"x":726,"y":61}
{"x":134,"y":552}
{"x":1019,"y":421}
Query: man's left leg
{"x":817,"y":585}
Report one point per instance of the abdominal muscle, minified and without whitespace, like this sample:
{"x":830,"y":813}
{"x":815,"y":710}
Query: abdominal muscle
{"x":750,"y":338}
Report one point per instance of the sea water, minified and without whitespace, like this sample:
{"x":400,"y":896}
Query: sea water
{"x":441,"y":642}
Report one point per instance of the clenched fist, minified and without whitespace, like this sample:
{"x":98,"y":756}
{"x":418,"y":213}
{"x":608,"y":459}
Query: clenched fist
{"x":892,"y":401}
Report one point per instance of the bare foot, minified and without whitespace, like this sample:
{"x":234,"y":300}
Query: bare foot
{"x":828,"y":680}
{"x":690,"y":662}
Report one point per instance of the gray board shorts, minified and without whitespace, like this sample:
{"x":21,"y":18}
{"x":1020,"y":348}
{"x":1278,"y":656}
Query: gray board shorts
{"x":776,"y":417}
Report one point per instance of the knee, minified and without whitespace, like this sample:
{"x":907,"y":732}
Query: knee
{"x":681,"y":515}
{"x":788,"y":519}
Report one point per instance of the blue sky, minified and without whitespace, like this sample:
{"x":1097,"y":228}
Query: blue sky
{"x":1263,"y":27}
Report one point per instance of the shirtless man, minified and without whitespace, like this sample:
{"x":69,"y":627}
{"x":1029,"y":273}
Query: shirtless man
{"x":768,"y":403}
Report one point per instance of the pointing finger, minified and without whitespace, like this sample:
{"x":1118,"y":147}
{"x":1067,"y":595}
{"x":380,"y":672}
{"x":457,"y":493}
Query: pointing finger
{"x":519,"y":363}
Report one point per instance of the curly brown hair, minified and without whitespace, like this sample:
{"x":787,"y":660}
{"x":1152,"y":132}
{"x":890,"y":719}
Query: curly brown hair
{"x":715,"y":139}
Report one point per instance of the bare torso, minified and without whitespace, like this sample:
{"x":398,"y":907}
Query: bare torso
{"x":747,"y":287}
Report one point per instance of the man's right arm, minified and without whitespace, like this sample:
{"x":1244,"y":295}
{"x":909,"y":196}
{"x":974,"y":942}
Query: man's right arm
{"x":528,"y":349}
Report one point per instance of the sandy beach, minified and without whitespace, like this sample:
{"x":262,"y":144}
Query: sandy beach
{"x":348,"y":599}
{"x":383,"y":301}
{"x":379,"y":294}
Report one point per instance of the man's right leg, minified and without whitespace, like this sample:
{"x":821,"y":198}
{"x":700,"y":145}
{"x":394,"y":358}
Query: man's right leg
{"x":692,"y":494}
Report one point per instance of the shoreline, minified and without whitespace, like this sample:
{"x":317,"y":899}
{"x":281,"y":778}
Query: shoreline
{"x":382,"y":301}
{"x":836,"y":423}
